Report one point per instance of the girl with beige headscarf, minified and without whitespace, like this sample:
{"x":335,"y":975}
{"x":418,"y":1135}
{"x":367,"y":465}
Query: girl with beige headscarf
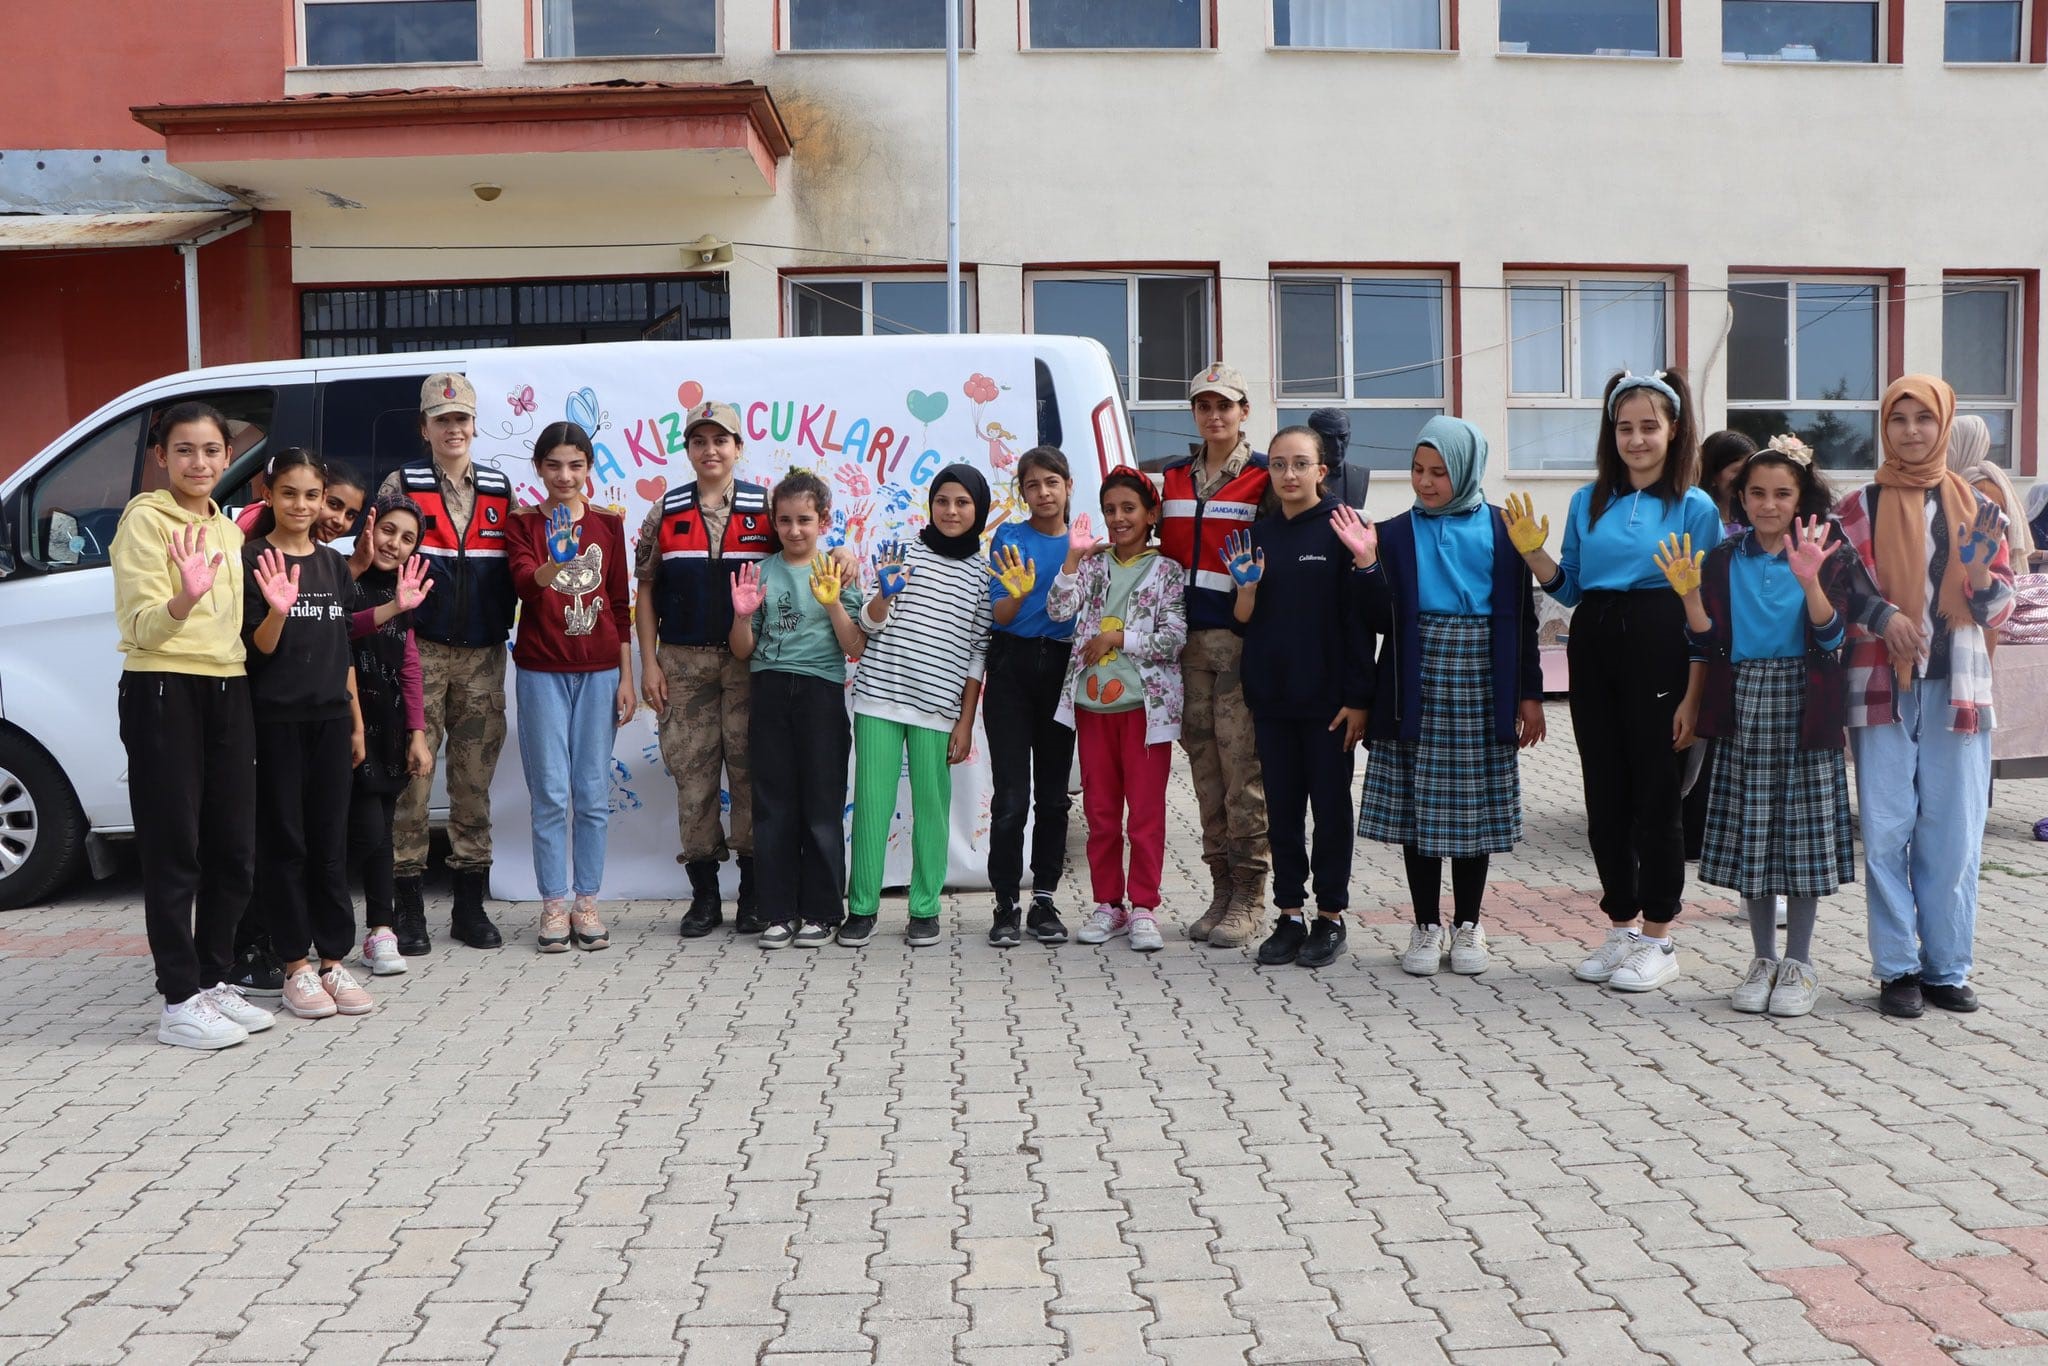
{"x":1919,"y":677}
{"x":1969,"y":454}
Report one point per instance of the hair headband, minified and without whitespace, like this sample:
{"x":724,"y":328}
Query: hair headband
{"x":1654,"y":382}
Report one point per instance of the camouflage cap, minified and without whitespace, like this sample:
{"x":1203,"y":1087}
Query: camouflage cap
{"x":1217,"y":379}
{"x":719,"y":414}
{"x":447,"y":393}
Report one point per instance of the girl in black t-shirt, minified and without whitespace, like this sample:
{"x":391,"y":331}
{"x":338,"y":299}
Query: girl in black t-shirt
{"x":309,"y":734}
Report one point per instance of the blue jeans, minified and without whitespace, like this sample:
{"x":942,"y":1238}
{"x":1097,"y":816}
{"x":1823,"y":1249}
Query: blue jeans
{"x":565,"y":746}
{"x":1923,"y":792}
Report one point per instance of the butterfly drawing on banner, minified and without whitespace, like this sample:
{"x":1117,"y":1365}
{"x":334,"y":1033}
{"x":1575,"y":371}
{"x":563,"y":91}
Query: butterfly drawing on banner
{"x":522,"y":401}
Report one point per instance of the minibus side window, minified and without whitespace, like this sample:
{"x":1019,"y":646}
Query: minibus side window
{"x":1049,"y":429}
{"x":75,"y":505}
{"x":373,"y":424}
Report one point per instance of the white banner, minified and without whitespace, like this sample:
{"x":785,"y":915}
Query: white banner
{"x":877,"y":420}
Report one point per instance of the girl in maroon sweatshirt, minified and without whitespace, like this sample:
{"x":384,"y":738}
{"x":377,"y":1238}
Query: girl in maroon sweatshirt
{"x":575,"y":641}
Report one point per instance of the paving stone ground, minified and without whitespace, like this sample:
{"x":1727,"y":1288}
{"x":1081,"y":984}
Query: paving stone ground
{"x":703,"y":1152}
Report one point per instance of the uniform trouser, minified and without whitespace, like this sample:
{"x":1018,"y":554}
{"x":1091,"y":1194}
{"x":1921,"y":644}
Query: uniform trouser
{"x":192,"y":770}
{"x":567,"y":722}
{"x":303,"y":788}
{"x":370,"y":817}
{"x":1307,"y":768}
{"x":879,"y":749}
{"x":1223,"y":756}
{"x":1629,"y":666}
{"x":1922,"y":791}
{"x":704,"y":739}
{"x":1029,"y":756}
{"x":800,"y":735}
{"x":465,"y":696}
{"x":1119,"y":773}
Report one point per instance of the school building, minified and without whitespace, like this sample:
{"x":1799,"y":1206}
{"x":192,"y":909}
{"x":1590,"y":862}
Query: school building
{"x":1399,"y":207}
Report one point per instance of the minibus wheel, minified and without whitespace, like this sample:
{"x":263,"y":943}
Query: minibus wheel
{"x":42,"y":831}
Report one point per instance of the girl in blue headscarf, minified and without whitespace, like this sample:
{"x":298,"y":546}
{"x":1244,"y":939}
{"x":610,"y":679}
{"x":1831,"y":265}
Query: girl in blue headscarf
{"x":1459,"y":687}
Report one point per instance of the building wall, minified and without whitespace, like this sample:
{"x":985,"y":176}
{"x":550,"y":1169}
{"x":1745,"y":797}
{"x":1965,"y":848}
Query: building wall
{"x":1244,"y":156}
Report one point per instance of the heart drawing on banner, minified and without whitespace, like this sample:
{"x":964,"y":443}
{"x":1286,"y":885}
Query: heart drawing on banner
{"x":925,"y":407}
{"x":689,"y":393}
{"x":652,"y":489}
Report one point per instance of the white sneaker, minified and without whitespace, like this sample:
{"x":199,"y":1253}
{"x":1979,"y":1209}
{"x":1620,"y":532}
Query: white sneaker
{"x":1651,"y":964}
{"x":1144,"y":930}
{"x":195,"y":1023}
{"x":1469,"y":955}
{"x":1425,"y":953}
{"x":1104,"y":923}
{"x":1754,"y":995}
{"x":229,"y":1001}
{"x":1797,"y":990}
{"x":380,"y":954}
{"x":1600,"y":965}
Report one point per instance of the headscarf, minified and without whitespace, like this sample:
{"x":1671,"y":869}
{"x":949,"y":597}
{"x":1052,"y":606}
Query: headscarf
{"x":1463,"y":448}
{"x":1901,"y":526}
{"x":968,"y":543}
{"x":1969,"y":452}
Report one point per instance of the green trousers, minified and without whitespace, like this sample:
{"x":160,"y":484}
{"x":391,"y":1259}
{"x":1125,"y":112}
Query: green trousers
{"x":878,"y":748}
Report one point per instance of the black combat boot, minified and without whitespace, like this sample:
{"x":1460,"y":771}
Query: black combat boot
{"x":705,"y":913}
{"x":469,"y":924}
{"x":409,"y":917}
{"x":747,"y":918}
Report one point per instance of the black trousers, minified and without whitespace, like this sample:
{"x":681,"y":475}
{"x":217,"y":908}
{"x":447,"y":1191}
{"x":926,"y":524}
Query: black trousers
{"x":1629,"y":666}
{"x":369,"y":850}
{"x":192,"y":781}
{"x":1307,"y":769}
{"x":798,"y":740}
{"x":1030,"y":757}
{"x":304,"y":784}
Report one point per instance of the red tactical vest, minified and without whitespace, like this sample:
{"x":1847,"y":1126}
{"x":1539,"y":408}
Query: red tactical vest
{"x":1192,"y":532}
{"x":692,"y":592}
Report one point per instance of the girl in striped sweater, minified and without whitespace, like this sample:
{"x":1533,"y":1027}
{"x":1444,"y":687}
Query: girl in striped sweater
{"x":919,"y":681}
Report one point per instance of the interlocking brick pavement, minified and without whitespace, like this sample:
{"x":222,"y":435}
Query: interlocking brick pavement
{"x":698,"y":1151}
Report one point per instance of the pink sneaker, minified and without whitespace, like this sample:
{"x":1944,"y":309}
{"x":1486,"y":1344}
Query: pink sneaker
{"x":381,"y":955}
{"x":554,"y":927}
{"x":305,"y":997}
{"x":349,"y":998}
{"x":585,"y":926}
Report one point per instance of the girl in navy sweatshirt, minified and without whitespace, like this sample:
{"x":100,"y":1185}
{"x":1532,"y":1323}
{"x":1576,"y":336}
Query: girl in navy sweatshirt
{"x":1459,"y":687}
{"x":1307,"y":674}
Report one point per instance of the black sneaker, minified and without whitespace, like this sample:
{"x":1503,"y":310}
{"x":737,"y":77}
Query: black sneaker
{"x":812,"y":935}
{"x":1325,"y":942}
{"x":1901,"y":997}
{"x":778,"y":935}
{"x":1005,"y":932}
{"x":258,"y":973}
{"x":856,"y":930}
{"x":1284,"y":943}
{"x":1042,"y":921}
{"x":923,"y":931}
{"x":1958,"y":998}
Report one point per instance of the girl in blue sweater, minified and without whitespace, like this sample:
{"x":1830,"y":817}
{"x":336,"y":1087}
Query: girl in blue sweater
{"x":1635,"y":692}
{"x":1307,"y":674}
{"x":1459,"y":688}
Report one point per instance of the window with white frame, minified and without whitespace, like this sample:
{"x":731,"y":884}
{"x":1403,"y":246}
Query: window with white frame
{"x":1985,"y":31}
{"x":387,"y":32}
{"x":1373,"y":344}
{"x":1412,"y":25}
{"x":1125,"y":24}
{"x":1802,"y":30}
{"x":1586,"y":28}
{"x":1806,"y":356}
{"x":870,"y":25}
{"x":1159,"y":329}
{"x":628,"y":28}
{"x":891,"y":305}
{"x":1980,"y":355}
{"x":1567,"y":336}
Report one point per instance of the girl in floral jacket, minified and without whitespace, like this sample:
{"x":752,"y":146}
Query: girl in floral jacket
{"x":1123,"y":698}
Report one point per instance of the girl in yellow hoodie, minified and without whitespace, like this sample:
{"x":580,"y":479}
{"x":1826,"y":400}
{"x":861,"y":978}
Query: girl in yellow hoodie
{"x":186,"y":724}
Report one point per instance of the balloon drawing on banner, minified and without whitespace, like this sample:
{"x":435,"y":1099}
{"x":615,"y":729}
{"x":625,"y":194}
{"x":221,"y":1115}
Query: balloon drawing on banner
{"x":820,"y":414}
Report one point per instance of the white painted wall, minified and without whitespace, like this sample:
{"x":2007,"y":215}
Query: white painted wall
{"x":1245,"y":155}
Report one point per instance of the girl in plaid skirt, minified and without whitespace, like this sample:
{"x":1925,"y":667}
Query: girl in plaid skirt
{"x":1458,"y":688}
{"x":1766,"y":613}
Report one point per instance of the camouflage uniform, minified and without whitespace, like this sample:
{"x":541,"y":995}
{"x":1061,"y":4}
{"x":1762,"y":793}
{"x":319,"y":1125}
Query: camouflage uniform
{"x":704,"y":730}
{"x":1216,"y":732}
{"x":465,"y":701}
